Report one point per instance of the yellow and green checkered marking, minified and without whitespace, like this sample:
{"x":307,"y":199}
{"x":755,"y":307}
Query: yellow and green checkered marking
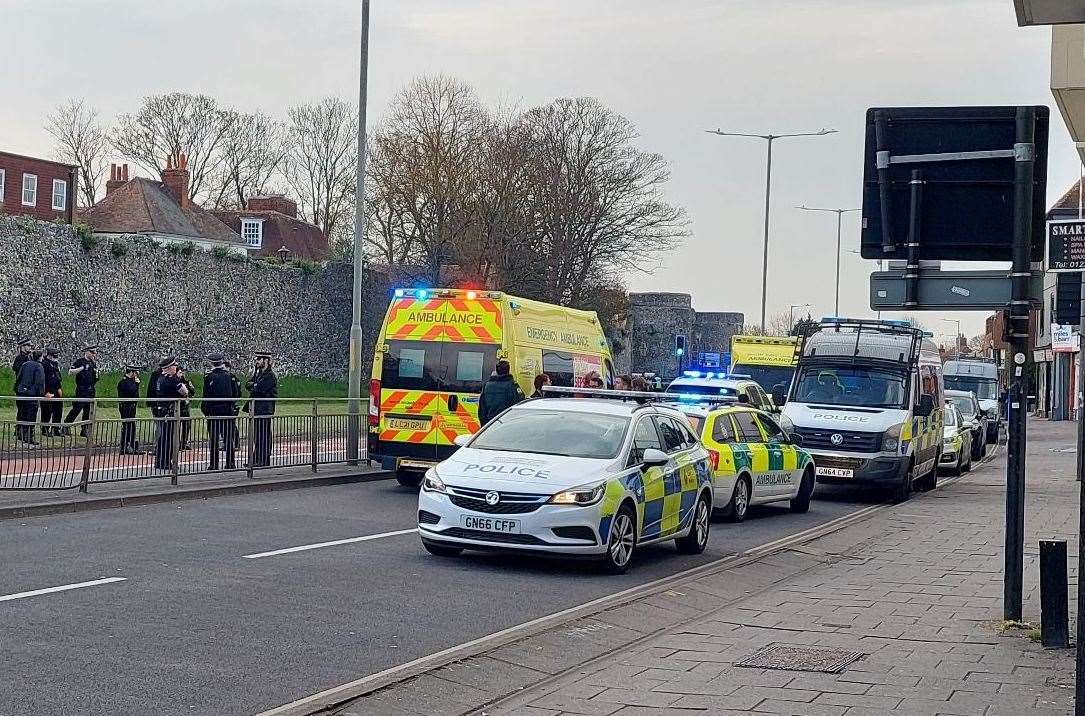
{"x":665,"y":495}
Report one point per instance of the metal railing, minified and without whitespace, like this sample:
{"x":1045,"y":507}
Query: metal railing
{"x":172,"y":440}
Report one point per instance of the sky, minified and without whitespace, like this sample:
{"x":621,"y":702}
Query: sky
{"x":674,"y":68}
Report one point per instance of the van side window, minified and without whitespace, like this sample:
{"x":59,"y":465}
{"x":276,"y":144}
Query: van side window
{"x":928,"y":383}
{"x":559,"y":366}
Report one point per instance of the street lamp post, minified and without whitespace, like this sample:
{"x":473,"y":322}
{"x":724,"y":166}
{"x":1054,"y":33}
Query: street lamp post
{"x":354,"y":377}
{"x":839,"y":216}
{"x":791,"y":314}
{"x":956,"y":338}
{"x":769,"y":138}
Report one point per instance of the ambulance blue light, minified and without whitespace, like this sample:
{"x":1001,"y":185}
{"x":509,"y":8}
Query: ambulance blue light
{"x":691,"y":374}
{"x":399,"y":293}
{"x":421,"y":293}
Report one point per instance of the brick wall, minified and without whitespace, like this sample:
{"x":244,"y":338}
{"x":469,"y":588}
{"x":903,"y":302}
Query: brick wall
{"x":14,"y":167}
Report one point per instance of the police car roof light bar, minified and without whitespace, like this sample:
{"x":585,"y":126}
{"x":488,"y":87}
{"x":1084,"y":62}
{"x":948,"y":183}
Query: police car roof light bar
{"x":640,"y":396}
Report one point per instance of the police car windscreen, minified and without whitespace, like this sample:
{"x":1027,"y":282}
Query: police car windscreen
{"x":551,"y":432}
{"x":767,"y":376}
{"x":852,"y":386}
{"x":983,"y":388}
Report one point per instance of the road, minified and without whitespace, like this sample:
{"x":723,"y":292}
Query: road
{"x":191,"y":622}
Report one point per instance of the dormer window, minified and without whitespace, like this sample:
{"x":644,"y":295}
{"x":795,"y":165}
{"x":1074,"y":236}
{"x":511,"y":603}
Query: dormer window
{"x":252,"y":232}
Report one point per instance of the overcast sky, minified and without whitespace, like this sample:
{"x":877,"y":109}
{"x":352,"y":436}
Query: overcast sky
{"x":673,"y":67}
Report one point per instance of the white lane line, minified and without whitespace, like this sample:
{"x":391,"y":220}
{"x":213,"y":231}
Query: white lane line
{"x":61,"y":588}
{"x":333,"y":543}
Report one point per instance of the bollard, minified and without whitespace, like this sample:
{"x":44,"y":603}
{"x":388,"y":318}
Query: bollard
{"x":1054,"y":625}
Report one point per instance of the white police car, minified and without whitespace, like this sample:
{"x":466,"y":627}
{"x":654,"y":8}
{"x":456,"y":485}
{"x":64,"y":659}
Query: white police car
{"x":592,"y":476}
{"x":744,"y":389}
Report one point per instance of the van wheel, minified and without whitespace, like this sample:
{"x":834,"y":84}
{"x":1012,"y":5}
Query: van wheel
{"x":409,"y":478}
{"x":697,"y":539}
{"x":930,"y":481}
{"x":740,"y":501}
{"x":903,"y":490}
{"x":801,"y":502}
{"x":622,"y":543}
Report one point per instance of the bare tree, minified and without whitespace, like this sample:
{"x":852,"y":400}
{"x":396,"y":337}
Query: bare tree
{"x":321,"y":162}
{"x":177,"y":122}
{"x":80,"y":140}
{"x":253,"y":150}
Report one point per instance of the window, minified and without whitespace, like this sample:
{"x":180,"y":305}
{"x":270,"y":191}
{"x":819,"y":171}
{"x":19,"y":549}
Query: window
{"x":464,"y":368}
{"x":853,"y":385}
{"x":673,"y":437}
{"x":645,"y":437}
{"x":3,"y":180}
{"x":723,"y":430}
{"x":747,"y":427}
{"x":772,"y":430}
{"x":552,"y":432}
{"x":252,"y":233}
{"x":559,"y":366}
{"x":411,"y":365}
{"x":60,"y":195}
{"x":30,"y":190}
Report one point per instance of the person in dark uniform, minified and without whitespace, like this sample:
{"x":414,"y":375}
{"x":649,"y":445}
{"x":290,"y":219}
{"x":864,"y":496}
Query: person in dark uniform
{"x":26,"y":347}
{"x":52,"y":407}
{"x":186,"y":409}
{"x":128,"y":387}
{"x":167,"y":385}
{"x":263,"y":388}
{"x":85,"y":371}
{"x":221,"y":391}
{"x":30,"y":389}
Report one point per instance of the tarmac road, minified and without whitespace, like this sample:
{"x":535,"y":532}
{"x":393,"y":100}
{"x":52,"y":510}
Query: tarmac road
{"x":187,"y":624}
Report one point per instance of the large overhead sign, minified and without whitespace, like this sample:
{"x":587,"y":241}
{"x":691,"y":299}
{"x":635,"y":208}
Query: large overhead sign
{"x":1066,"y":245}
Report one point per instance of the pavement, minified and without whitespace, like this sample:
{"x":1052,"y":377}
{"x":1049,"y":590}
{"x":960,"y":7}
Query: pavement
{"x":901,"y":609}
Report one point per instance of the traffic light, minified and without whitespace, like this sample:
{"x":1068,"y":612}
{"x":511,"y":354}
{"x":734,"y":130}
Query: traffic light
{"x":679,"y":346}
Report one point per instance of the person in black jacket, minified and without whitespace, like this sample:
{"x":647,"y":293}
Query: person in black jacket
{"x":86,"y":375}
{"x":128,"y":387}
{"x":29,"y":389}
{"x":167,"y":385}
{"x":263,"y":388}
{"x":499,"y":392}
{"x":26,"y":347}
{"x":221,"y":391}
{"x":52,"y":408}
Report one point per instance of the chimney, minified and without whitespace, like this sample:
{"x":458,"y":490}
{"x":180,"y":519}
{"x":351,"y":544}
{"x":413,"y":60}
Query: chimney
{"x":273,"y":202}
{"x":175,"y":177}
{"x":118,"y":177}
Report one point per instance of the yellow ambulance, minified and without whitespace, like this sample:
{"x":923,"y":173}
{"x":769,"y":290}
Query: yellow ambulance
{"x":438,"y":346}
{"x":768,"y":360}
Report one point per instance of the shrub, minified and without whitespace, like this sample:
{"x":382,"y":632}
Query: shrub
{"x":173,"y":248}
{"x":307,"y":267}
{"x":118,"y":248}
{"x":188,"y":248}
{"x":88,"y":241}
{"x":238,"y":258}
{"x":220,"y":252}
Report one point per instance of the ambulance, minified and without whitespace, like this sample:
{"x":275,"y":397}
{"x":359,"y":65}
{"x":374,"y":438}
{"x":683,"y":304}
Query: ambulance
{"x":437,"y":347}
{"x":769,"y":361}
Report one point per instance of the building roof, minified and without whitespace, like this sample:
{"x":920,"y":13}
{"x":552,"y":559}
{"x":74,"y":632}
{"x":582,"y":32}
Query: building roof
{"x":1067,"y":202}
{"x":37,"y":159}
{"x":304,"y":240}
{"x":144,"y":206}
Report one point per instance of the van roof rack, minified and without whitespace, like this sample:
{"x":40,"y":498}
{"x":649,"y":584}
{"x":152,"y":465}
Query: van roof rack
{"x":639,"y":396}
{"x":857,"y":326}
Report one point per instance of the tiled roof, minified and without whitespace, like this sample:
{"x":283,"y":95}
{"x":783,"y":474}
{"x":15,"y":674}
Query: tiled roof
{"x":146,"y":206}
{"x":1067,"y":202}
{"x":304,"y":240}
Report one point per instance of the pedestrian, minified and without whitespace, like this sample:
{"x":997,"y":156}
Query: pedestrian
{"x":85,"y":370}
{"x":29,"y":389}
{"x":22,"y":354}
{"x":221,"y":391}
{"x":498,"y":393}
{"x":640,"y":385}
{"x":128,"y":387}
{"x":52,"y":407}
{"x":263,"y":389}
{"x":623,"y":382}
{"x":541,"y":381}
{"x":170,"y":390}
{"x":185,"y":407}
{"x":592,"y":380}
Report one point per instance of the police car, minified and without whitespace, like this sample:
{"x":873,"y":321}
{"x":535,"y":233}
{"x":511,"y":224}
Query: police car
{"x":592,"y":476}
{"x":693,"y":385}
{"x":754,"y":461}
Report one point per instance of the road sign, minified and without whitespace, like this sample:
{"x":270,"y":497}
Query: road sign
{"x":943,"y":290}
{"x":710,"y":360}
{"x":943,"y":178}
{"x":1063,"y":339}
{"x":1066,"y":245}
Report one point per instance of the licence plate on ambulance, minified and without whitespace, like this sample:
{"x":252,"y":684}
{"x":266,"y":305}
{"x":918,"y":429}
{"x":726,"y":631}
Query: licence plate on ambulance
{"x":491,"y":524}
{"x":834,"y":472}
{"x":406,"y":423}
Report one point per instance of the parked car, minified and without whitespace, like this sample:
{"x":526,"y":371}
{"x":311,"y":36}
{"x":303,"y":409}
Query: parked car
{"x":956,"y":441}
{"x":973,"y":415}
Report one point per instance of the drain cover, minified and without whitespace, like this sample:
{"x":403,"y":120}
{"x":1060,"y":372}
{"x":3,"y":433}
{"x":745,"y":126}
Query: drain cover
{"x":790,"y":657}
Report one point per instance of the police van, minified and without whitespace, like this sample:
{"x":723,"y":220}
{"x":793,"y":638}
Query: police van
{"x":867,"y":399}
{"x":437,"y":347}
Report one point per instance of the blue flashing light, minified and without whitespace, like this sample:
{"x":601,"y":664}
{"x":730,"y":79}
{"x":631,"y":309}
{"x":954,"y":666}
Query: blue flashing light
{"x":422,"y":294}
{"x":898,"y":322}
{"x":399,"y":293}
{"x":691,"y":374}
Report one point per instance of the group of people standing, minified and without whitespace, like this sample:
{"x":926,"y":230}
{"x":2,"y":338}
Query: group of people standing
{"x":169,"y":396}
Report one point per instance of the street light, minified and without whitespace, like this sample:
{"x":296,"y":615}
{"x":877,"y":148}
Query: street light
{"x":839,"y":215}
{"x":769,"y":138}
{"x":354,"y":375}
{"x":957,"y":337}
{"x":791,"y":315}
{"x":283,"y":253}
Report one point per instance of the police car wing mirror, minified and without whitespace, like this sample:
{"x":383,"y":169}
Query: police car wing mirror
{"x":654,"y":458}
{"x":925,"y":406}
{"x":779,"y":394}
{"x":462,"y":440}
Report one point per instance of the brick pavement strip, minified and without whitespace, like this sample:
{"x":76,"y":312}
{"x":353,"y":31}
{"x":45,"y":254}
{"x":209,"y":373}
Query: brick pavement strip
{"x":916,"y":588}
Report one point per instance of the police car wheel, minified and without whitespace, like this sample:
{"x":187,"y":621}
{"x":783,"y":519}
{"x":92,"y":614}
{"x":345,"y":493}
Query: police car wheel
{"x":697,"y":539}
{"x":409,"y":478}
{"x":801,"y":503}
{"x":740,"y":501}
{"x":441,"y":551}
{"x":622,"y":542}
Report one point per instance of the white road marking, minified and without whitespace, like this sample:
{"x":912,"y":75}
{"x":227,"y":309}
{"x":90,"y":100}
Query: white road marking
{"x":61,"y":588}
{"x":333,"y":543}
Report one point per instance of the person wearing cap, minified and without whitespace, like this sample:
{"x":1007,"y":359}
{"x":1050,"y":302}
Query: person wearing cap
{"x":85,"y":370}
{"x":26,"y":347}
{"x":30,"y":389}
{"x":185,"y":407}
{"x":128,"y":387}
{"x":221,"y":391}
{"x":52,"y":407}
{"x":263,"y":389}
{"x":171,"y":390}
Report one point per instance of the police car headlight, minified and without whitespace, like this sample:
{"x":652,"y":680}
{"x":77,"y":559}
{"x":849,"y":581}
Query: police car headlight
{"x":891,"y":439}
{"x":431,"y":482}
{"x":581,"y":496}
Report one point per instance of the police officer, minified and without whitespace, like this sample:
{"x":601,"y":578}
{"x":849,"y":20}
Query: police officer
{"x":30,"y":389}
{"x":128,"y":387}
{"x":171,"y":388}
{"x":26,"y":347}
{"x":52,"y":406}
{"x":263,"y":388}
{"x":221,"y":390}
{"x":86,"y":375}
